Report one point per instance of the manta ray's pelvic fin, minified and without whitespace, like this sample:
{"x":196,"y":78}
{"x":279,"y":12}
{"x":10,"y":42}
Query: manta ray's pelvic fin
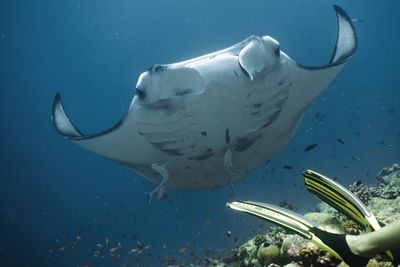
{"x":160,"y":189}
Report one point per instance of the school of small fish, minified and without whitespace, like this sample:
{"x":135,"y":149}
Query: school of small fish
{"x":119,"y":253}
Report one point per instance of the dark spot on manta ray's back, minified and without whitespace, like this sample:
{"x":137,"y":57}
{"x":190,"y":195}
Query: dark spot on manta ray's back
{"x":258,"y":105}
{"x":287,"y":167}
{"x":244,"y":143}
{"x":340,"y":141}
{"x":282,"y":82}
{"x":310,"y":147}
{"x":204,"y":133}
{"x":227,"y":136}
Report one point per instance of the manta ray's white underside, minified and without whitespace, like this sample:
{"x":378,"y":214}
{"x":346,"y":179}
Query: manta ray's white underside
{"x":205,"y":122}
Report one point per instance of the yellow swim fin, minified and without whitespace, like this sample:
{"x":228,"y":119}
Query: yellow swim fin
{"x":333,"y":243}
{"x":343,"y":200}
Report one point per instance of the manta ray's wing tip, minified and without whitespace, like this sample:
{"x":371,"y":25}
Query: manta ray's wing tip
{"x":346,"y":43}
{"x":338,"y":8}
{"x":61,"y":122}
{"x":340,"y":11}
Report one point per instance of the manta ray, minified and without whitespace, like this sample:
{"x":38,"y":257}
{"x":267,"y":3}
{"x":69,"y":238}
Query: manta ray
{"x":206,"y":122}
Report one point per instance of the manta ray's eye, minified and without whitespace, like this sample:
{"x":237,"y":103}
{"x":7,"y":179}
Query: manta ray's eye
{"x":277,"y":50}
{"x":140,"y":93}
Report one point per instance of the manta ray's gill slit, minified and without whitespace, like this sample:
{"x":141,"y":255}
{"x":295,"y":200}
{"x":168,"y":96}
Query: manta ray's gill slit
{"x":255,"y":113}
{"x":271,"y":118}
{"x":169,"y":151}
{"x":182,"y":92}
{"x":208,"y":153}
{"x":172,"y":120}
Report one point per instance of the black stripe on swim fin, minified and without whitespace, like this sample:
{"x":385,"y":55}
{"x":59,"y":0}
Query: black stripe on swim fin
{"x":343,"y":207}
{"x":337,"y":243}
{"x":341,"y":199}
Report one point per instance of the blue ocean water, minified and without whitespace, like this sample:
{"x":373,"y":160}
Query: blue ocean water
{"x":58,"y":201}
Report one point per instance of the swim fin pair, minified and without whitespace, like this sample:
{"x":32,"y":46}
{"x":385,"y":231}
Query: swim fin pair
{"x":334,"y":194}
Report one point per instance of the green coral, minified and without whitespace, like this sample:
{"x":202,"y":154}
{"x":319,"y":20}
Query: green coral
{"x":267,"y":255}
{"x":309,"y":254}
{"x":396,"y":182}
{"x":286,"y":245}
{"x":216,"y":263}
{"x":259,"y":240}
{"x":306,"y":253}
{"x":350,"y":227}
{"x":376,"y":263}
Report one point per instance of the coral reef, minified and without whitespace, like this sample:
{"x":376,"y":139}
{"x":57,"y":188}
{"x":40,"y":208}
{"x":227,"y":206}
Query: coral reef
{"x":279,"y":248}
{"x":259,"y":240}
{"x":268,"y":255}
{"x":387,"y":187}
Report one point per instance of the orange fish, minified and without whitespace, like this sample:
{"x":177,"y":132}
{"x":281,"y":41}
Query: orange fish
{"x":206,"y":221}
{"x":183,"y":250}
